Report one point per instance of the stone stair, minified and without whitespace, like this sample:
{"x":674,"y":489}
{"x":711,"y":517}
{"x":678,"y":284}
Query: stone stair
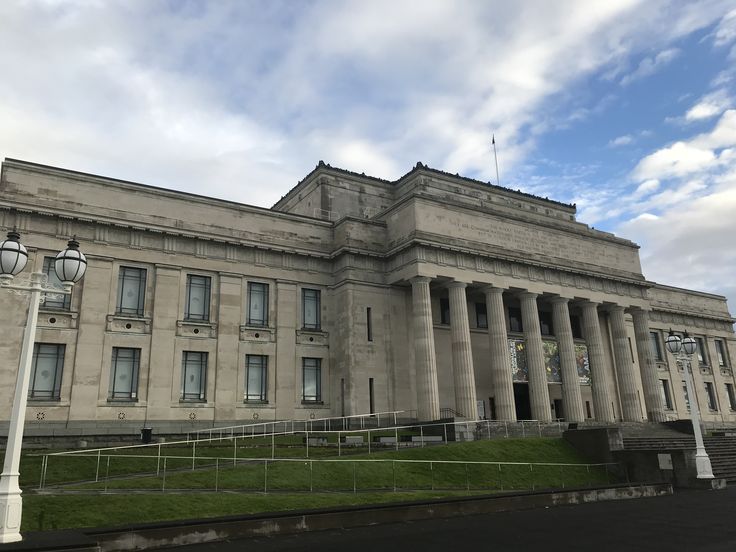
{"x":721,"y":449}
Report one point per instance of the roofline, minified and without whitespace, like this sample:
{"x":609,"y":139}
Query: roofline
{"x":418,"y":167}
{"x":10,"y":162}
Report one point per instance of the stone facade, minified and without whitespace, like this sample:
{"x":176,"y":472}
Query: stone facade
{"x":434,"y":294}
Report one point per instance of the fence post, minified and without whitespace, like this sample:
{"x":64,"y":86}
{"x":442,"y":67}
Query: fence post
{"x":394,"y":418}
{"x":431,"y":473}
{"x":44,"y":460}
{"x":396,"y":435}
{"x":97,"y":472}
{"x":369,"y":441}
{"x":235,"y":450}
{"x":506,"y":428}
{"x":467,"y":478}
{"x":531,"y":471}
{"x":163,"y":481}
{"x":194,"y":452}
{"x":421,"y":435}
{"x":488,"y":428}
{"x":393,"y":467}
{"x":217,"y":472}
{"x":562,"y":477}
{"x":339,"y":445}
{"x":311,"y":488}
{"x":587,"y":467}
{"x":523,"y":429}
{"x":539,"y":428}
{"x":306,"y":432}
{"x":273,"y":445}
{"x":355,"y":488}
{"x":444,"y":429}
{"x":158,"y":460}
{"x":107,"y":472}
{"x":265,"y":477}
{"x":500,"y":478}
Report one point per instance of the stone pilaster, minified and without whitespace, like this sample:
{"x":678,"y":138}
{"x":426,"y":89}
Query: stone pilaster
{"x":462,"y":354}
{"x":503,"y":385}
{"x":428,"y":401}
{"x":598,"y":363}
{"x":625,"y":373}
{"x":572,"y":400}
{"x":647,"y":366}
{"x":538,"y":390}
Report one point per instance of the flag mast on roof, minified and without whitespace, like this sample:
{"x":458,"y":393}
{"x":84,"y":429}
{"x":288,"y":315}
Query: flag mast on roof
{"x":493,"y":141}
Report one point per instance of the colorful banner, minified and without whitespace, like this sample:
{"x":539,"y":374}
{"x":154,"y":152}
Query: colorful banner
{"x":520,"y":369}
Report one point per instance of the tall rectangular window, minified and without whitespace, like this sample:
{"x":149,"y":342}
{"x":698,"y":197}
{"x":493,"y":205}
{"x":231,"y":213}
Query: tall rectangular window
{"x":701,"y":351}
{"x":312,"y":379}
{"x":481,"y":315}
{"x":710,"y":392}
{"x":655,"y":345}
{"x":124,"y":373}
{"x":545,"y":322}
{"x":311,"y":309}
{"x":577,"y":331}
{"x":721,"y":352}
{"x":731,"y":396}
{"x":256,"y":378}
{"x":194,"y":376}
{"x":515,"y":320}
{"x":198,"y":298}
{"x":60,"y":302}
{"x":664,"y":389}
{"x":257,"y":304}
{"x":48,"y":365}
{"x":131,"y":291}
{"x":444,"y":310}
{"x":369,"y":323}
{"x":371,"y":397}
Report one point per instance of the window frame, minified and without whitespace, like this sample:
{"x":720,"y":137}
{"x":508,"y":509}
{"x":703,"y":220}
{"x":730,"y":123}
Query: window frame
{"x":654,"y":340}
{"x":701,"y":351}
{"x":731,"y":394}
{"x":481,"y":309}
{"x":53,"y":303}
{"x":207,"y":285}
{"x":666,"y":394}
{"x":710,"y":394}
{"x":203,"y":364}
{"x":262,"y":396}
{"x":445,"y":319}
{"x":316,"y":296}
{"x":317,"y":368}
{"x":264,"y":297}
{"x":722,"y":353}
{"x":55,"y":393}
{"x":132,"y":395}
{"x":123,"y":272}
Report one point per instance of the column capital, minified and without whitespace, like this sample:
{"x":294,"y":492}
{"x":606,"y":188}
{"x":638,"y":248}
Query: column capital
{"x":587,"y":303}
{"x":616,"y":308}
{"x":639,"y":310}
{"x":559,"y":299}
{"x":420,"y":280}
{"x":492,"y":289}
{"x":527,"y":295}
{"x":456,"y":284}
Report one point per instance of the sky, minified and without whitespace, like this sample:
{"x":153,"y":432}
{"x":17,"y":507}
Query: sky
{"x":624,"y":107}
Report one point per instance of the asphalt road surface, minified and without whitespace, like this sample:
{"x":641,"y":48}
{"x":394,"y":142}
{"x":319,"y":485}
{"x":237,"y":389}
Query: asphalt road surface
{"x":688,"y":521}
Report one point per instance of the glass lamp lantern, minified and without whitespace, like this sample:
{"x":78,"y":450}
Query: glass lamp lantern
{"x":673,"y":343}
{"x":689,"y":344}
{"x":13,"y":256}
{"x":70,"y":264}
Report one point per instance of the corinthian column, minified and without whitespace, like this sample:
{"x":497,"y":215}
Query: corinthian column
{"x":503,"y":385}
{"x":462,"y":354}
{"x":572,"y":400}
{"x":625,"y":373}
{"x":538,"y":390}
{"x":428,"y":401}
{"x":652,"y":398}
{"x":597,"y":361}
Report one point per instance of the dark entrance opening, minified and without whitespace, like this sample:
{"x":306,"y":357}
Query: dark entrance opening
{"x":559,"y":412}
{"x":521,"y":399}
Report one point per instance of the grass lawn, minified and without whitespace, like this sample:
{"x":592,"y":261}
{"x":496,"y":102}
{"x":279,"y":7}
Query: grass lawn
{"x":289,"y":482}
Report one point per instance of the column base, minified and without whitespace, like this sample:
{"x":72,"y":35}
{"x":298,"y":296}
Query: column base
{"x":703,"y":467}
{"x":11,"y":508}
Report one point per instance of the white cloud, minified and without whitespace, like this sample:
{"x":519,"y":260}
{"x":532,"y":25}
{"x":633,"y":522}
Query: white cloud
{"x":647,"y":187}
{"x":679,"y":159}
{"x":650,"y":65}
{"x":726,"y":31}
{"x":624,"y":140}
{"x":709,"y":106}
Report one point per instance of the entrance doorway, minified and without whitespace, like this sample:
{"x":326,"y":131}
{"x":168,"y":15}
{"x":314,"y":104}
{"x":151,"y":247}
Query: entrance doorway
{"x":559,"y":413}
{"x":521,"y":400}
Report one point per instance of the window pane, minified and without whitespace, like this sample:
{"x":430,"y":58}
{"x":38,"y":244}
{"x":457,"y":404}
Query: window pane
{"x":720,"y":350}
{"x":710,"y":393}
{"x":665,"y":391}
{"x":731,"y":396}
{"x":310,"y":306}
{"x":131,"y":290}
{"x":198,"y":298}
{"x":61,"y":302}
{"x":194,"y":375}
{"x":48,"y":362}
{"x":444,"y":310}
{"x":257,"y":304}
{"x":312,"y":380}
{"x":700,"y":351}
{"x":124,"y":373}
{"x":481,"y":316}
{"x":256,"y":377}
{"x":654,"y":342}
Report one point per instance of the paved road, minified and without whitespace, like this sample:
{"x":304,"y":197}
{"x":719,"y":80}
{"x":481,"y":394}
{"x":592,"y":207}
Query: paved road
{"x":688,"y":521}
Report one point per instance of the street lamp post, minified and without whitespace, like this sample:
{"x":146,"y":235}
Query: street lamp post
{"x":683,"y":349}
{"x":70,"y":266}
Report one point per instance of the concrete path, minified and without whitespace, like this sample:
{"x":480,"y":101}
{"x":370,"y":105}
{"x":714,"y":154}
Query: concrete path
{"x":687,"y":521}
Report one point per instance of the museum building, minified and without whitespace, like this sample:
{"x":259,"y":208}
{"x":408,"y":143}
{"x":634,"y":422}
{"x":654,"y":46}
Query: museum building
{"x":434,"y":294}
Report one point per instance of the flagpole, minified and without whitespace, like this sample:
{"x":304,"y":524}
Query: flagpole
{"x":493,"y":141}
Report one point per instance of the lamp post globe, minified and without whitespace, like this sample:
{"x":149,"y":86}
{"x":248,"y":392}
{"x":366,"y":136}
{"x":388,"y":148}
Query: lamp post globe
{"x":673,"y":343}
{"x":70,"y":264}
{"x":689,"y":344}
{"x":13,"y":256}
